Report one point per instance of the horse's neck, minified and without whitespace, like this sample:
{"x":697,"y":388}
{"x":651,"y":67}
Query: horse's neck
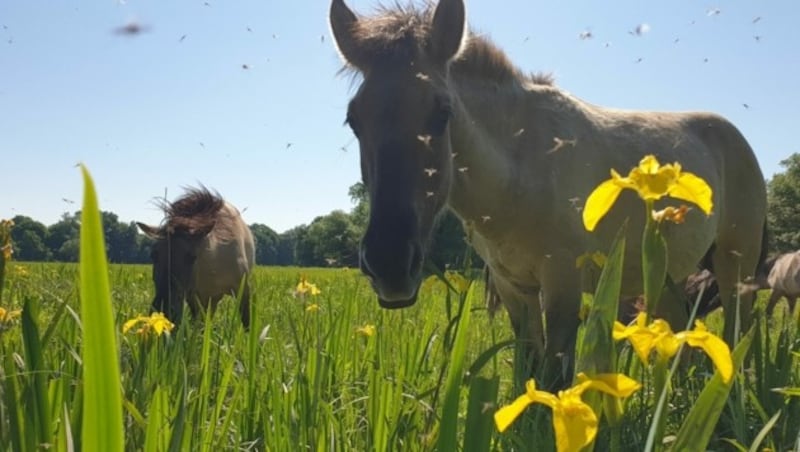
{"x":492,"y":136}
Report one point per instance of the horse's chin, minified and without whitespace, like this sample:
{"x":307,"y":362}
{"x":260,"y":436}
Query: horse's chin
{"x":397,"y":304}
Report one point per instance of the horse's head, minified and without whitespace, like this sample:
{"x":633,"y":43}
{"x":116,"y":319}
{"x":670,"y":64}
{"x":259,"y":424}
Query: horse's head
{"x":400,"y":115}
{"x":173,"y":253}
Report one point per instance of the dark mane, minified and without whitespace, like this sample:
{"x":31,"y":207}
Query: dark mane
{"x":397,"y":33}
{"x":197,"y":208}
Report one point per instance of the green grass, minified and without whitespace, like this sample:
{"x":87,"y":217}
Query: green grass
{"x":308,"y":380}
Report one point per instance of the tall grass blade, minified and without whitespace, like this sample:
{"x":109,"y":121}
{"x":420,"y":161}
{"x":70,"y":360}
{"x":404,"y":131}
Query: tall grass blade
{"x":480,"y":423}
{"x":102,"y":407}
{"x":755,"y":447}
{"x":596,"y":353}
{"x":448,"y":429}
{"x":37,"y":393}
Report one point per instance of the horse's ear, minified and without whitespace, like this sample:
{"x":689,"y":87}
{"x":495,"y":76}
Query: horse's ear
{"x":343,"y":21}
{"x":151,"y":231}
{"x":449,"y":30}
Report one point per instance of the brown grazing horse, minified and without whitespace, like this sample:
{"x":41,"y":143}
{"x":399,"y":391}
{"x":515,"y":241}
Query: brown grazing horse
{"x":203,"y":251}
{"x":443,"y":118}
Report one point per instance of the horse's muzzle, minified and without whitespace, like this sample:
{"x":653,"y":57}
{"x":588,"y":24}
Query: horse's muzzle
{"x":395,"y":277}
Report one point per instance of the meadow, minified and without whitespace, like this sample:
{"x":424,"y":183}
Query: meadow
{"x":330,"y":370}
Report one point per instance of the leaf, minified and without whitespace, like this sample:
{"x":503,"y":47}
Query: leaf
{"x":699,"y":424}
{"x":480,"y":409}
{"x":596,"y":352}
{"x":102,"y":407}
{"x":654,"y":265}
{"x":448,"y":429}
{"x":764,"y":432}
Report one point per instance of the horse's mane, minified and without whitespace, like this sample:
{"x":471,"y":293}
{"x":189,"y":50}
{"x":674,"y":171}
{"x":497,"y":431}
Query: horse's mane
{"x":198,"y":208}
{"x":397,"y":32}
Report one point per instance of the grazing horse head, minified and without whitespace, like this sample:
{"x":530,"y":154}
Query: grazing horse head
{"x":400,"y":115}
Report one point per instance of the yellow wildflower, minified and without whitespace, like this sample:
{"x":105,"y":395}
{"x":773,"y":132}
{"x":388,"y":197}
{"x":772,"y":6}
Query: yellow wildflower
{"x":5,"y":239}
{"x":457,"y":280}
{"x":574,"y":422}
{"x":154,"y":323}
{"x":312,"y":307}
{"x":651,"y":181}
{"x":669,"y":213}
{"x":7,"y":316}
{"x":305,"y":287}
{"x":367,"y":330}
{"x":21,"y":271}
{"x":659,"y":336}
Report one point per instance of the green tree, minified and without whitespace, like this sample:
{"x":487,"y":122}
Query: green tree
{"x":267,"y":242}
{"x":332,"y":240}
{"x":62,"y":238}
{"x":122,"y":239}
{"x":783,"y":216}
{"x":360,"y":213}
{"x":288,"y":242}
{"x":28,"y":236}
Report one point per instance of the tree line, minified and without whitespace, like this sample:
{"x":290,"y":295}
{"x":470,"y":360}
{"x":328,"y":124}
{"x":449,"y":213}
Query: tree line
{"x":329,"y":240}
{"x":332,"y":239}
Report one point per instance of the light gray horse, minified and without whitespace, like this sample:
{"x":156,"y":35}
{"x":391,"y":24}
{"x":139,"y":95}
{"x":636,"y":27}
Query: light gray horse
{"x":444,"y":118}
{"x":784,"y":279}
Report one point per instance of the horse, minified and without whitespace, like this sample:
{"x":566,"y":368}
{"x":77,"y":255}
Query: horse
{"x":202,"y":251}
{"x":784,"y":279}
{"x":444,"y":119}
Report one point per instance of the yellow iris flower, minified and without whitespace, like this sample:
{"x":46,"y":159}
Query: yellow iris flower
{"x":305,"y":287}
{"x":659,"y":336}
{"x":574,"y":422}
{"x":154,"y":323}
{"x":312,"y":307}
{"x":651,"y":181}
{"x":366,"y":330}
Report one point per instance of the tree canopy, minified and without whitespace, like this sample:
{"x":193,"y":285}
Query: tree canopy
{"x":783,"y":196}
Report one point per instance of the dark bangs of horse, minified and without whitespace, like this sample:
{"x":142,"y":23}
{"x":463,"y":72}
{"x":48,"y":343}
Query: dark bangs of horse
{"x":198,"y":208}
{"x":395,"y":34}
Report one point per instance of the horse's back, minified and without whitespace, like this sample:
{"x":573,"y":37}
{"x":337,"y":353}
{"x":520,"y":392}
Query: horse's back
{"x":705,"y":144}
{"x":225,"y":257}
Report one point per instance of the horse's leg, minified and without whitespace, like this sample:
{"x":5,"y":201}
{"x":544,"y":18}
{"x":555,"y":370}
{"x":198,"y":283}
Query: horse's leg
{"x":773,"y":300}
{"x":732,"y":265}
{"x":672,"y":307}
{"x":525,"y":314}
{"x":561,"y":298}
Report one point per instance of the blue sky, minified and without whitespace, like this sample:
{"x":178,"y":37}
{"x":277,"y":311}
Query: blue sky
{"x":150,"y":113}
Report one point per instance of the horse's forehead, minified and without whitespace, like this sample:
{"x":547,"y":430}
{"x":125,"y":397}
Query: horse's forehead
{"x":398,"y":86}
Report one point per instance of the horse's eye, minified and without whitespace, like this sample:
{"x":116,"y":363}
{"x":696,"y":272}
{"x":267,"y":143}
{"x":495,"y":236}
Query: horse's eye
{"x":438,"y":121}
{"x":353,"y":123}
